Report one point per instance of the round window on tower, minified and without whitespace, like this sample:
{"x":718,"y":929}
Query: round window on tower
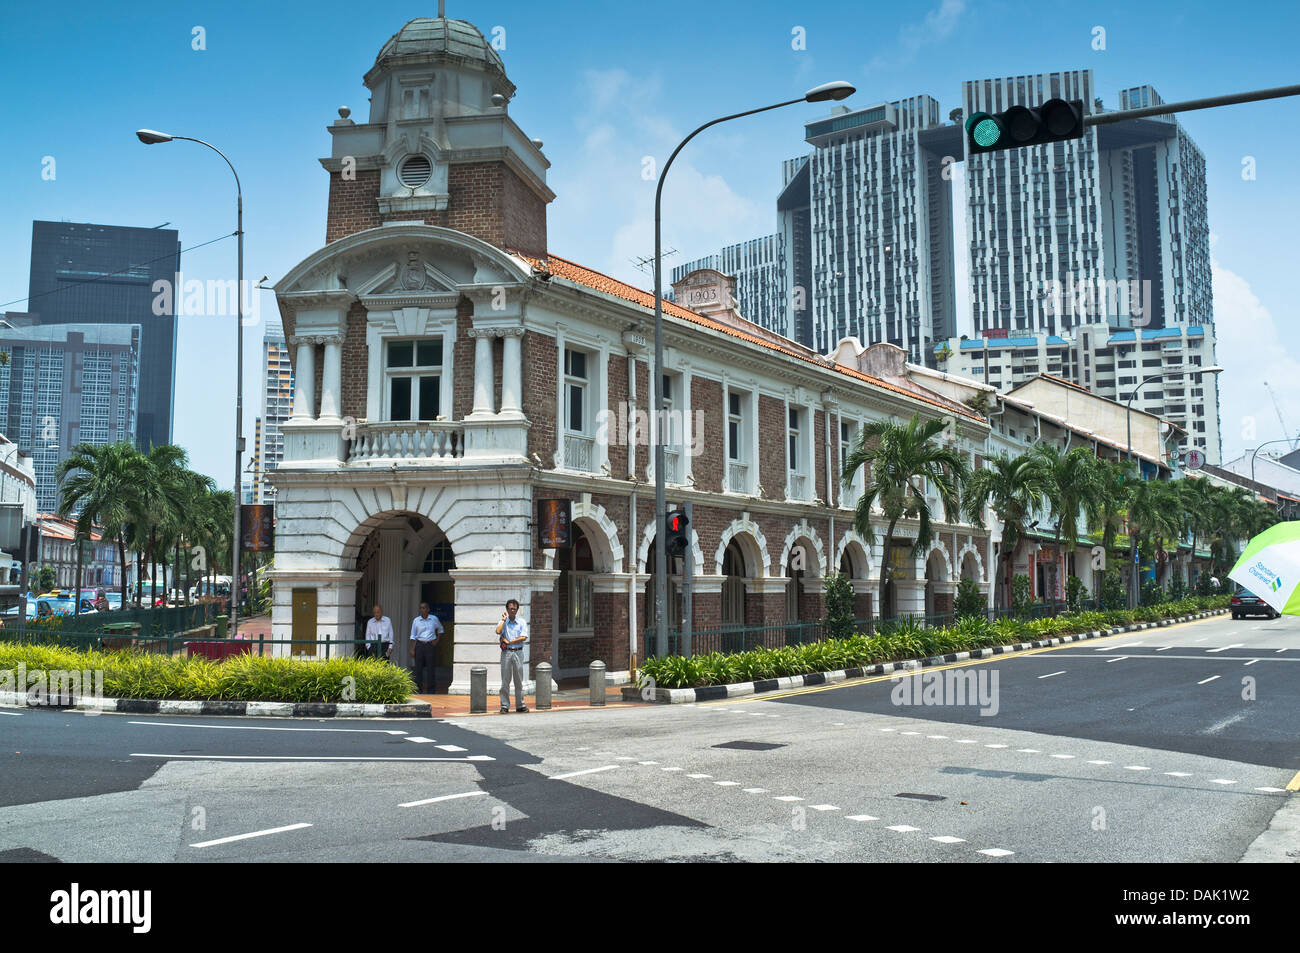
{"x":414,"y":171}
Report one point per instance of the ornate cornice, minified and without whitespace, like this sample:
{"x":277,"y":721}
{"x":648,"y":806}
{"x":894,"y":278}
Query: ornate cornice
{"x":517,"y":331}
{"x":300,"y":339}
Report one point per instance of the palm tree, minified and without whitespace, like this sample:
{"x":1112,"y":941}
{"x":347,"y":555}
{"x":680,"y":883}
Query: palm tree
{"x":102,"y":483}
{"x":897,"y":457}
{"x":160,"y":502}
{"x":1197,"y":494}
{"x":1011,"y":487}
{"x":1153,"y":516}
{"x":192,"y":526}
{"x":1071,"y":483}
{"x":1114,"y":477}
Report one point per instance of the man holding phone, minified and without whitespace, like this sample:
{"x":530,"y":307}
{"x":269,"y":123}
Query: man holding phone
{"x":513,"y":634}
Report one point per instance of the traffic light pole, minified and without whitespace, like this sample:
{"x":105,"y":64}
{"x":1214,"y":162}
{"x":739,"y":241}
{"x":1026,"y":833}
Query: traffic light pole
{"x":1209,"y":102}
{"x":688,"y":570}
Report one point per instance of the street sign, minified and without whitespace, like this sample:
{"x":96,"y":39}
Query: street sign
{"x":1195,"y":459}
{"x":553,"y":518}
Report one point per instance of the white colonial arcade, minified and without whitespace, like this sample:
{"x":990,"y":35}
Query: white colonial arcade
{"x":403,"y":502}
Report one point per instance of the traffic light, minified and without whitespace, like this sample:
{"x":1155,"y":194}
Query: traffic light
{"x":1055,"y":121}
{"x":676,"y":536}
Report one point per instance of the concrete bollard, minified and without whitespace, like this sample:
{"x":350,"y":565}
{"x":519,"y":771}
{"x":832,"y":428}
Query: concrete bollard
{"x":477,"y":690}
{"x":596,"y":681}
{"x":542,"y":693}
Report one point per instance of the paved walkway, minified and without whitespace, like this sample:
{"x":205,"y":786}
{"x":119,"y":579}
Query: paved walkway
{"x":448,"y":706}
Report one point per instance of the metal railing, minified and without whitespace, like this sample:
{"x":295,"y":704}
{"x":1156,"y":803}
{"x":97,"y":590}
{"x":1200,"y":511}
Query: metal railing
{"x":738,"y":477}
{"x":578,"y":451}
{"x":151,"y":622}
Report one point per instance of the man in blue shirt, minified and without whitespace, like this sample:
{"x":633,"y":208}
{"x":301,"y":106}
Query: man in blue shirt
{"x":425,"y":629}
{"x":513,"y":633}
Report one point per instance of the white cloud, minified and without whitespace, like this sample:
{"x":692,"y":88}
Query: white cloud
{"x":1252,"y":349}
{"x":937,"y":26}
{"x":601,"y":191}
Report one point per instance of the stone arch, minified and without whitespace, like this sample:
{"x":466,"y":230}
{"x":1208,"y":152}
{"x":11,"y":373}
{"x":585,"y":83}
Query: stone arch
{"x":647,"y":537}
{"x":859,"y":552}
{"x":802,"y":530}
{"x":969,"y":550}
{"x":601,"y":533}
{"x":752,"y":542}
{"x":938,"y":546}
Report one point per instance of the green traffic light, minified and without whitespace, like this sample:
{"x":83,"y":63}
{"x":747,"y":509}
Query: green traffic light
{"x":986,"y":131}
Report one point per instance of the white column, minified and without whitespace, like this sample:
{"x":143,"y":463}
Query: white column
{"x":331,"y":390}
{"x":304,"y":379}
{"x":483,"y":382}
{"x":512,"y":372}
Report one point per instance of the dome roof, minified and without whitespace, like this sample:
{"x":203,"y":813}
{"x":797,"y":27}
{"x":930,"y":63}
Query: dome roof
{"x":436,"y":38}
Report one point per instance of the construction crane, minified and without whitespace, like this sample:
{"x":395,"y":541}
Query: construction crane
{"x":1278,"y":407}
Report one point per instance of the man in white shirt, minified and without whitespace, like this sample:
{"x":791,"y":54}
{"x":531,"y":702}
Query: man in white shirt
{"x":379,"y":633}
{"x":425,"y":629}
{"x":513,"y":633}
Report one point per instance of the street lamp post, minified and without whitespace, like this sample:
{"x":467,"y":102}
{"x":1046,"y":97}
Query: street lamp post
{"x":151,"y":137}
{"x":1167,"y":372}
{"x":824,"y":93}
{"x":1255,"y":452}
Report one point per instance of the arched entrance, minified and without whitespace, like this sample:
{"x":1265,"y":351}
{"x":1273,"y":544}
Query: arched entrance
{"x":406,"y":559}
{"x":938,"y":588}
{"x":733,"y":585}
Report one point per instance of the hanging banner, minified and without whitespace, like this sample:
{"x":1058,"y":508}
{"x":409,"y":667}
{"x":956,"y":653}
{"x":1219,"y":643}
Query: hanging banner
{"x":257,"y":529}
{"x":553,"y":518}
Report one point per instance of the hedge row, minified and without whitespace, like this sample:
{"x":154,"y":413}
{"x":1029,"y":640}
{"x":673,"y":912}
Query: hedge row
{"x":907,"y":639}
{"x":133,"y":674}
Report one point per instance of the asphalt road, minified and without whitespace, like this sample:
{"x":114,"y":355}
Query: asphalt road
{"x":1174,"y":744}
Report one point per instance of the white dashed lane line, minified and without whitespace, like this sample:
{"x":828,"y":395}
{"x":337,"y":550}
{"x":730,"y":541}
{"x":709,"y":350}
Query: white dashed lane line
{"x":575,"y":774}
{"x":1206,"y":680}
{"x":1053,"y":674}
{"x":443,"y":797}
{"x":229,"y":840}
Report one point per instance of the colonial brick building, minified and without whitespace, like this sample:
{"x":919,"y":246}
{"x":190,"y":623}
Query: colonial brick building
{"x":451,"y":370}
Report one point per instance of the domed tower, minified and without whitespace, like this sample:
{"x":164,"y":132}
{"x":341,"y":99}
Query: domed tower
{"x":439,"y":146}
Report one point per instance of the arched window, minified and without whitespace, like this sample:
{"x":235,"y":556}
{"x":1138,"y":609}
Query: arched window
{"x":440,"y":558}
{"x":576,"y":567}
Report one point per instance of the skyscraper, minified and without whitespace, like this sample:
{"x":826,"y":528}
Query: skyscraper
{"x":106,"y":274}
{"x":277,"y":405}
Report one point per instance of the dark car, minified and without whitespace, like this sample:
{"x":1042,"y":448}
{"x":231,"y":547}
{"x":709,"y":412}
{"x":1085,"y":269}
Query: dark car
{"x":1246,"y":602}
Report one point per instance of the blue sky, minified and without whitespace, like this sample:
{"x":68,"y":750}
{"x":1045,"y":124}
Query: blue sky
{"x":604,"y":85}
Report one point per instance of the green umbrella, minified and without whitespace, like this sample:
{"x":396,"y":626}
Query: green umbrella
{"x":1270,"y":567}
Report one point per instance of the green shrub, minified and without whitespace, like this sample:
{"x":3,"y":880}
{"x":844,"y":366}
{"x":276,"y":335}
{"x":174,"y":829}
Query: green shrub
{"x":839,"y":606}
{"x":1112,"y":594}
{"x":970,"y":600}
{"x":1022,"y":599}
{"x":1151,"y":593}
{"x":1074,"y":593}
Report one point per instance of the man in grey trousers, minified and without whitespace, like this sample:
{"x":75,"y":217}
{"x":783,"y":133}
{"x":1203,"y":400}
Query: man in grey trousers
{"x":513,"y":633}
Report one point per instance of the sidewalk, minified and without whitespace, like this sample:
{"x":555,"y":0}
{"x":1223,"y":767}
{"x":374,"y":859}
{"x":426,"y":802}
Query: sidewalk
{"x":448,"y":706}
{"x":254,"y":626}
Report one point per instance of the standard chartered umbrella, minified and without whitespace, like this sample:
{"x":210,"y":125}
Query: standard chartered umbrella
{"x":1270,"y":567}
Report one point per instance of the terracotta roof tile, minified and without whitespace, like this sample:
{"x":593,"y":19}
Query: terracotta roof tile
{"x":587,"y":277}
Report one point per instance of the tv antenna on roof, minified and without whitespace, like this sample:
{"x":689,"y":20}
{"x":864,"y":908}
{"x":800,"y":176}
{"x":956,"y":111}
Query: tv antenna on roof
{"x":646,"y":264}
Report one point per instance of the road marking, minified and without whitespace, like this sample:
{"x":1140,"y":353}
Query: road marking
{"x":909,"y":732}
{"x":787,"y":797}
{"x":444,"y":797}
{"x":755,"y":790}
{"x":672,"y":769}
{"x":647,"y":762}
{"x":1063,"y":756}
{"x":861,"y":817}
{"x":727,"y":784}
{"x":1272,"y":790}
{"x":421,"y":741}
{"x":1252,"y":661}
{"x":1178,"y":774}
{"x":699,"y":776}
{"x":574,"y":774}
{"x":1164,"y":648}
{"x":12,"y":713}
{"x":1053,"y":674}
{"x":824,"y":807}
{"x":949,"y":839}
{"x":1136,"y":767}
{"x":1117,"y":658}
{"x":1124,"y":645}
{"x":888,"y":729}
{"x":228,"y":840}
{"x":1210,"y":679}
{"x":966,"y":741}
{"x":355,"y":731}
{"x":1279,"y":651}
{"x":937,"y":737}
{"x":1221,"y":781}
{"x":1101,"y":762}
{"x":624,"y":757}
{"x":1224,"y":648}
{"x":285,"y":757}
{"x":449,"y":748}
{"x":1029,"y":751}
{"x":997,"y":746}
{"x":996,"y":852}
{"x":902,"y":828}
{"x":1295,"y":783}
{"x":583,"y":748}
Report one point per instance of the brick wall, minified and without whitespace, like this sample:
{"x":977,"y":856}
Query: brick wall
{"x":771,"y":447}
{"x":354,"y":364}
{"x":524,"y":214}
{"x":540,"y":363}
{"x":352,"y":204}
{"x":539,"y":629}
{"x":462,"y":385}
{"x":819,"y":454}
{"x":708,"y":467}
{"x":609,"y":625}
{"x":618,"y":415}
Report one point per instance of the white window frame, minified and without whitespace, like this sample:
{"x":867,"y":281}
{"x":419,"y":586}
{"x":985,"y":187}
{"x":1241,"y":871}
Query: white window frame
{"x":584,"y":384}
{"x":747,"y":438}
{"x":415,"y":372}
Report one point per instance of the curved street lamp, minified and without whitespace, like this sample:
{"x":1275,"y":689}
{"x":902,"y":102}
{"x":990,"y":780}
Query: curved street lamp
{"x":152,"y":137}
{"x":827,"y":92}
